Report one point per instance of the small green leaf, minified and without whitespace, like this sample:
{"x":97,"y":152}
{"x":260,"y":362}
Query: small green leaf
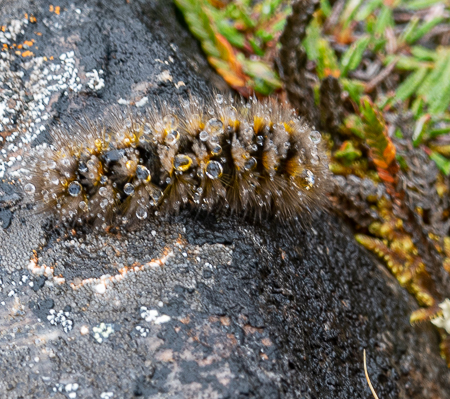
{"x":267,"y":9}
{"x":353,"y":124}
{"x":255,"y":46}
{"x":384,"y":101}
{"x":406,"y":63}
{"x":385,"y":20}
{"x":278,"y":27}
{"x":325,"y":7}
{"x":368,"y":9}
{"x":316,"y":92}
{"x":240,"y":13}
{"x":354,"y":88}
{"x":353,"y":56}
{"x":424,"y":54}
{"x":435,"y":89}
{"x":417,"y":107}
{"x":441,"y":162}
{"x":402,"y":162}
{"x":350,"y":9}
{"x":419,"y":129}
{"x":311,"y":41}
{"x":264,"y":75}
{"x":423,"y":29}
{"x":420,"y":4}
{"x":230,"y":33}
{"x":410,"y":85}
{"x":264,"y":35}
{"x":327,"y":62}
{"x":398,"y":133}
{"x":348,"y":152}
{"x":438,"y":132}
{"x":408,"y":32}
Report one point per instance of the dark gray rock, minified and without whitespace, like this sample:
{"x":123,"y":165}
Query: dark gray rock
{"x":193,"y":307}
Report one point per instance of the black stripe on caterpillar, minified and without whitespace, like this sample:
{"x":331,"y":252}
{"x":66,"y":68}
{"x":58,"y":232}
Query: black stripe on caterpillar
{"x":254,"y":157}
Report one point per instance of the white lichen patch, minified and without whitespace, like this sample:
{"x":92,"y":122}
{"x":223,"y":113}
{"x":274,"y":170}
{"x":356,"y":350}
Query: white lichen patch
{"x":27,"y":93}
{"x":95,"y":82}
{"x":102,"y":331}
{"x":142,"y":331}
{"x":60,"y":318}
{"x":152,"y":315}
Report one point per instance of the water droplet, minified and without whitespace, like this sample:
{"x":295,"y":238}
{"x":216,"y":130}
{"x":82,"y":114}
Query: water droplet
{"x":214,"y":140}
{"x":219,"y":99}
{"x":55,"y":180}
{"x":232,"y":112}
{"x":103,"y":191}
{"x":148,"y":129}
{"x":142,"y":173}
{"x":29,"y":188}
{"x":315,"y":137}
{"x":83,"y":206}
{"x":216,"y":150}
{"x":51,"y":164}
{"x":250,"y":164}
{"x":130,"y":165}
{"x":214,"y":170}
{"x":203,"y":136}
{"x":65,"y":162}
{"x":168,"y":180}
{"x":141,"y":213}
{"x":156,"y":195}
{"x":308,"y":179}
{"x":172,"y":137}
{"x":82,"y":167}
{"x":43,"y":165}
{"x":103,"y":179}
{"x":170,"y":122}
{"x":260,"y":140}
{"x":182,"y":162}
{"x":214,"y":126}
{"x":74,"y":189}
{"x":128,"y":189}
{"x":248,"y":131}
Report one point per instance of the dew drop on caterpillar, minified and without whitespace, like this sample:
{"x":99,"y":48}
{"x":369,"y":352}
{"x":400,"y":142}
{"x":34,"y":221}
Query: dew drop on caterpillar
{"x":253,"y":157}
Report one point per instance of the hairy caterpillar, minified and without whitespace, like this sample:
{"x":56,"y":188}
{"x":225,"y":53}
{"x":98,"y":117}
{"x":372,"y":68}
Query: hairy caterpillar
{"x":255,"y":157}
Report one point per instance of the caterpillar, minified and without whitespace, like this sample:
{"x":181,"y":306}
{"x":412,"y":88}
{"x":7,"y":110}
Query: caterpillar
{"x":255,"y":157}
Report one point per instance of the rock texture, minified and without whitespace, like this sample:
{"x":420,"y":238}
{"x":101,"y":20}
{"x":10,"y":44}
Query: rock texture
{"x":199,"y":306}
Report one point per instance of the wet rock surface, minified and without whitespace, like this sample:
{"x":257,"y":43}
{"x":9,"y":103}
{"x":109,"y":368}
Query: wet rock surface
{"x":198,"y":306}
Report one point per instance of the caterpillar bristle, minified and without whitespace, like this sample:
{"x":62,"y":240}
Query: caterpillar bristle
{"x":253,"y":157}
